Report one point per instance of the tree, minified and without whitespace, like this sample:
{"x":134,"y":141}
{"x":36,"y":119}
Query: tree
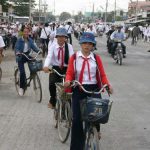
{"x":79,"y":17}
{"x":64,"y":16}
{"x":22,"y":7}
{"x":4,"y":5}
{"x":50,"y":17}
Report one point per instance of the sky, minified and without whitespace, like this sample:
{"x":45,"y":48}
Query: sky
{"x":74,"y":6}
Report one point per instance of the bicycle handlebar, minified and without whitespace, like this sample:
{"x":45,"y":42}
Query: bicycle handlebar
{"x":75,"y":82}
{"x":27,"y":56}
{"x":55,"y":71}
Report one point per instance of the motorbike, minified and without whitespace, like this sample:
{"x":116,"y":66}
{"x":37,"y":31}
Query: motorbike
{"x":118,"y":57}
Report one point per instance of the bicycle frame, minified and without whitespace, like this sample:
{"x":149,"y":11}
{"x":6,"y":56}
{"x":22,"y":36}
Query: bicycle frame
{"x":90,"y":131}
{"x":29,"y":79}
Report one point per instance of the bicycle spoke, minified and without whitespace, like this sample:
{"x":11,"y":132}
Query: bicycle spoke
{"x":92,"y":141}
{"x":64,"y":121}
{"x":37,"y":88}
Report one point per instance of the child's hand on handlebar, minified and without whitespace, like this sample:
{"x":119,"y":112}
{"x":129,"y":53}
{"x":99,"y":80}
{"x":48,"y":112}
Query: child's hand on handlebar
{"x":46,"y":69}
{"x":110,"y":90}
{"x":67,"y":84}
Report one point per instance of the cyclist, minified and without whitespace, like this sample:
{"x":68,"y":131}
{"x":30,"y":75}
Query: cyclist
{"x":2,"y":45}
{"x":119,"y":35}
{"x":58,"y":56}
{"x":109,"y":42}
{"x":24,"y":45}
{"x":87,"y":68}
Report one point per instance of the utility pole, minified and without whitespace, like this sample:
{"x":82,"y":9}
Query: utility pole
{"x":106,"y":11}
{"x":45,"y":8}
{"x":29,"y":11}
{"x":93,"y":12}
{"x":54,"y":7}
{"x":115,"y":12}
{"x":136,"y":11}
{"x":39,"y":10}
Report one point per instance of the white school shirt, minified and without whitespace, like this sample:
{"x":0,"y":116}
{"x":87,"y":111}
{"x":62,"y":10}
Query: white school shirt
{"x":45,"y":33}
{"x":52,"y":57}
{"x":93,"y":68}
{"x":2,"y":44}
{"x":68,"y":28}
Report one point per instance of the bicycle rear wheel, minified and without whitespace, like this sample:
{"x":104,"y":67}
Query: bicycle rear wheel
{"x":37,"y":88}
{"x":92,"y":141}
{"x":64,"y":121}
{"x":0,"y":73}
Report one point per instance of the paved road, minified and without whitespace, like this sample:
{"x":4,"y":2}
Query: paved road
{"x":27,"y":125}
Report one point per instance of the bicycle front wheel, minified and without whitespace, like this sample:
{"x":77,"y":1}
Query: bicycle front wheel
{"x":92,"y":141}
{"x":37,"y":88}
{"x":64,"y":121}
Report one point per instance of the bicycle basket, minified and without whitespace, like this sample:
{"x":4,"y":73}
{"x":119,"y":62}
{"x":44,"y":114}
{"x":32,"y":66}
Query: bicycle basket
{"x":35,"y":66}
{"x":61,"y":93}
{"x":95,"y":110}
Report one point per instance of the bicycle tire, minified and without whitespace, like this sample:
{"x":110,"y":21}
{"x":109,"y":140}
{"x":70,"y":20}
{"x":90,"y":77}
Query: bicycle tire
{"x":120,"y":59}
{"x":37,"y":88}
{"x":64,"y":116}
{"x":92,"y":141}
{"x":0,"y":73}
{"x":17,"y":81}
{"x":56,"y":114}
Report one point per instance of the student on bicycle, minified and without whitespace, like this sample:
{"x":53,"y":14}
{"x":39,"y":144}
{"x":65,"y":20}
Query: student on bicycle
{"x":87,"y":68}
{"x":24,"y":45}
{"x":58,"y":56}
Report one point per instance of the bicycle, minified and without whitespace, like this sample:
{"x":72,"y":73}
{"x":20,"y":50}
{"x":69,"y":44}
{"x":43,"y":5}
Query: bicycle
{"x":62,"y":111}
{"x":93,"y":111}
{"x":34,"y":66}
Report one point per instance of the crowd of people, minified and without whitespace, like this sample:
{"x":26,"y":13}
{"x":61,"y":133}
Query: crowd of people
{"x":82,"y":65}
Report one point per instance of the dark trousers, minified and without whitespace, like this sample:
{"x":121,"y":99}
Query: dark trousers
{"x":114,"y":46}
{"x":54,"y":78}
{"x":14,"y":39}
{"x":77,"y":134}
{"x":45,"y":41}
{"x":70,"y":38}
{"x":22,"y":71}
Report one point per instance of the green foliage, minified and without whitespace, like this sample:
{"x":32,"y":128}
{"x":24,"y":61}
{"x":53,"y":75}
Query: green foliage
{"x":79,"y":17}
{"x":4,"y":5}
{"x":64,"y":16}
{"x":50,"y":17}
{"x":22,"y":7}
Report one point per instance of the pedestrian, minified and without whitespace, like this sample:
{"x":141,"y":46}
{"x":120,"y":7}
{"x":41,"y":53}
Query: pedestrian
{"x":69,"y":29}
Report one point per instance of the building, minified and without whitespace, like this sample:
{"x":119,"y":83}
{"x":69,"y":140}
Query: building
{"x":139,"y":10}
